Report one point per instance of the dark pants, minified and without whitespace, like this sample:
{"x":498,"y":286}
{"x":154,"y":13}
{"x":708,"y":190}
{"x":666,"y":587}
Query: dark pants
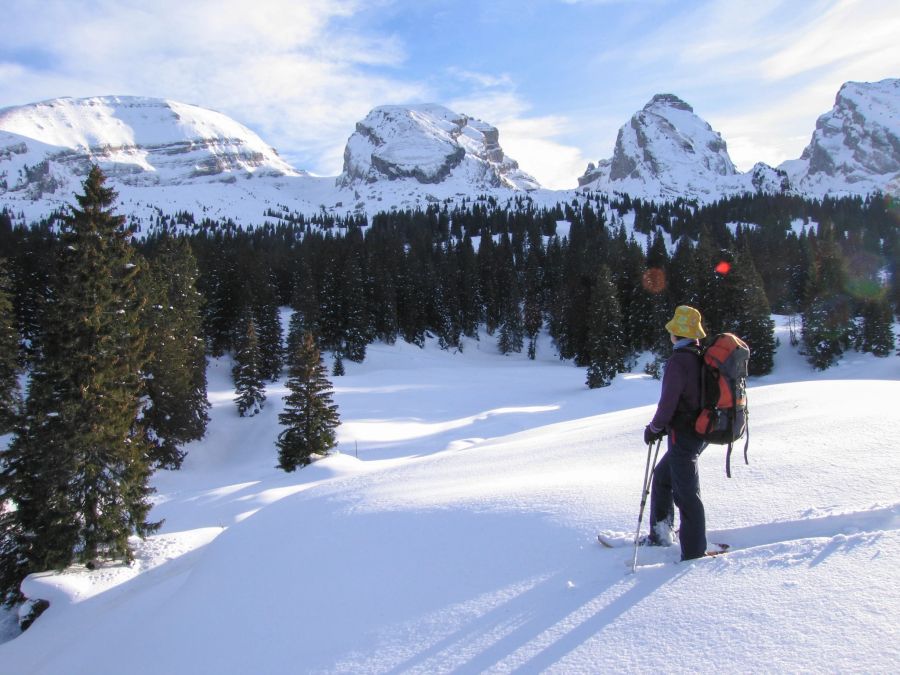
{"x":676,"y":482}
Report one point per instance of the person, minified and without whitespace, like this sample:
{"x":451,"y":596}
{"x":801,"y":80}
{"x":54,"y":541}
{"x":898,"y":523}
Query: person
{"x":676,"y":478}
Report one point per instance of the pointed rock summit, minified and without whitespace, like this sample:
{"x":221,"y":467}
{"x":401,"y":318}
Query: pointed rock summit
{"x":856,"y":146}
{"x":428,"y":144}
{"x":665,"y":151}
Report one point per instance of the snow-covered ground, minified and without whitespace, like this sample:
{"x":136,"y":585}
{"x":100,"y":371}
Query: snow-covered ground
{"x":456,"y":531}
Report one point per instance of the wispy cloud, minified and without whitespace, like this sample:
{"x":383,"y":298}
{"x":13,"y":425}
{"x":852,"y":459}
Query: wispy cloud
{"x":302,"y":74}
{"x":279,"y":66}
{"x":762,"y":73}
{"x":850,"y":31}
{"x":531,"y":140}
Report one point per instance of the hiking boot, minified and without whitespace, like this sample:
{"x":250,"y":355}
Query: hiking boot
{"x":650,"y":540}
{"x":663,"y":534}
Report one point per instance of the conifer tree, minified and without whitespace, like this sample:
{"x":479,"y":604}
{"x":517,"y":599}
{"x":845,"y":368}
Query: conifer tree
{"x":744,"y":310}
{"x":655,"y":282}
{"x":876,"y":334}
{"x":250,"y":390}
{"x":221,"y":285}
{"x":77,"y":471}
{"x":305,"y":297}
{"x":828,"y":318}
{"x":176,"y":368}
{"x":268,"y":324}
{"x":487,"y":283}
{"x":10,"y":397}
{"x":635,"y":300}
{"x":512,"y":329}
{"x":533,"y":309}
{"x":606,"y":334}
{"x":356,"y":325}
{"x":683,"y":275}
{"x":511,"y":336}
{"x":471,"y":307}
{"x":310,"y":418}
{"x":338,"y":370}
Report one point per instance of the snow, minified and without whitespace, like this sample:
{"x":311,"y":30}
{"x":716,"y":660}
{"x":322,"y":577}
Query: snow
{"x":456,"y":531}
{"x":164,"y":157}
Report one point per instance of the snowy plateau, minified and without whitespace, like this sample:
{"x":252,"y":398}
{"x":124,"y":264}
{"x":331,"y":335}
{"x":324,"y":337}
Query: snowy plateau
{"x":455,"y":531}
{"x":165,"y":157}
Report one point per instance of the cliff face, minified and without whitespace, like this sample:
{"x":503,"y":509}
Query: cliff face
{"x":665,"y":150}
{"x":429,"y":144}
{"x":856,"y":145}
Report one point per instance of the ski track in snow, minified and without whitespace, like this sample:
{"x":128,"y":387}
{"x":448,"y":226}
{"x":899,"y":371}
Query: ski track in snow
{"x":463,"y":536}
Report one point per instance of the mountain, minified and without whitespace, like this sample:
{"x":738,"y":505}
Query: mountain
{"x":162,"y":156}
{"x":429,"y":144}
{"x":137,"y":141}
{"x":667,"y":151}
{"x":856,"y":146}
{"x":165,"y":157}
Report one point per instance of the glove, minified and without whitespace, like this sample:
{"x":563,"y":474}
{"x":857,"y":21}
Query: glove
{"x":651,"y":436}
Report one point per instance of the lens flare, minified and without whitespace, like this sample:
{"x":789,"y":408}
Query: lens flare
{"x":654,"y":280}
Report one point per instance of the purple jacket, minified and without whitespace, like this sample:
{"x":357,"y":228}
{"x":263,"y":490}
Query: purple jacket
{"x":680,"y":388}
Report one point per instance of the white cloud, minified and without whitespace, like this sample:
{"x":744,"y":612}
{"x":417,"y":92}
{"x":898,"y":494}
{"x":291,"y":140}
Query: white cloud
{"x":849,"y":31}
{"x":278,"y":66}
{"x":531,"y":141}
{"x":762,"y":74}
{"x":301,"y":74}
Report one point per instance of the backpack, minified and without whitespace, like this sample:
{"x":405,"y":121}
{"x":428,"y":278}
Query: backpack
{"x":724,"y":417}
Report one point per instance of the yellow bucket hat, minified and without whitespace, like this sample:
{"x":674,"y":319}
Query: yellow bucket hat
{"x":686,"y":323}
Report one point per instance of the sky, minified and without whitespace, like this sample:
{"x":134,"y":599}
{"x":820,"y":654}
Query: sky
{"x":558,"y":78}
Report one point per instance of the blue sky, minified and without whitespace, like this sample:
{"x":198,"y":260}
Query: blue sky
{"x":557,"y":77}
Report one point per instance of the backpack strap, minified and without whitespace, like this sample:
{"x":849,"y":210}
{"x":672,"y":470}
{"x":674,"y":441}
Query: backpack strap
{"x":746,"y":446}
{"x":747,"y":441}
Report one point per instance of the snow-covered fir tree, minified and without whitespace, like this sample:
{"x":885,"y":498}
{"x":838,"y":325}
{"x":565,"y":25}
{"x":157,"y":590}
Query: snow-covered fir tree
{"x":250,"y":389}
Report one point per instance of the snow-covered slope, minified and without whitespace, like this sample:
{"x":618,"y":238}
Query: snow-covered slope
{"x":167,"y":157}
{"x":667,"y":151}
{"x":856,"y":146}
{"x":136,"y":141}
{"x":164,"y":156}
{"x":456,"y":533}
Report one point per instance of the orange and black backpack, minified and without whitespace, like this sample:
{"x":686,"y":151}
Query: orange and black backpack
{"x":724,"y":417}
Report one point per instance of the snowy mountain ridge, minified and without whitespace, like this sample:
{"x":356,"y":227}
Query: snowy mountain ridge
{"x":163,"y":156}
{"x":140,"y":142}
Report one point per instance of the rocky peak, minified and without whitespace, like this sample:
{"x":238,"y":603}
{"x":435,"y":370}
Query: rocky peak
{"x":668,"y":101}
{"x":428,"y":144}
{"x":856,"y":145}
{"x":665,"y":150}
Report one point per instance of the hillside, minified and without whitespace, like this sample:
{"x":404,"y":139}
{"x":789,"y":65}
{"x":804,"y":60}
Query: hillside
{"x":455,"y":531}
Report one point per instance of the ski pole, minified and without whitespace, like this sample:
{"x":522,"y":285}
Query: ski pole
{"x":648,"y":476}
